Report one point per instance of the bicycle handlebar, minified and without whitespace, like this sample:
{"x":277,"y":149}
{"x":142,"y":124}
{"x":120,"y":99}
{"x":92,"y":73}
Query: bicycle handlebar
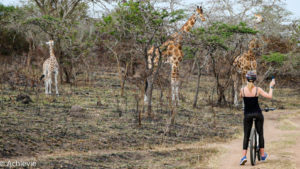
{"x":266,"y":109}
{"x":269,"y":109}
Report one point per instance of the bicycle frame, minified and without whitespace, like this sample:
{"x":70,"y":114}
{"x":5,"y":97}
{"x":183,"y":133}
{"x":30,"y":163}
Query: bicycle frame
{"x":254,"y":144}
{"x":254,"y":141}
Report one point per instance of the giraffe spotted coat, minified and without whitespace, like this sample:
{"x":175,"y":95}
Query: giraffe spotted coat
{"x":172,"y":52}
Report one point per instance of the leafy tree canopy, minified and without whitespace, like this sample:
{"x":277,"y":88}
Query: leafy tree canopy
{"x":275,"y":57}
{"x":217,"y":33}
{"x":136,"y":18}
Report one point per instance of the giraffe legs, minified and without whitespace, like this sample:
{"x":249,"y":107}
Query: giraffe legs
{"x":236,"y":82}
{"x":55,"y":78}
{"x":145,"y":98}
{"x":174,"y":90}
{"x":46,"y":86}
{"x":49,"y":84}
{"x":45,"y":74}
{"x":236,"y":89}
{"x":48,"y":81}
{"x":175,"y":84}
{"x":146,"y":92}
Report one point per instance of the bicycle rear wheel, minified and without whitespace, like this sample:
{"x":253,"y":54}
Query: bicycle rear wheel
{"x":257,"y":147}
{"x":253,"y":145}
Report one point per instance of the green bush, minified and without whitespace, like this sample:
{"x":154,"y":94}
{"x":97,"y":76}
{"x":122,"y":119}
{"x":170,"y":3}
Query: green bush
{"x":11,"y":40}
{"x":130,"y":19}
{"x":275,"y":57}
{"x":218,"y":33}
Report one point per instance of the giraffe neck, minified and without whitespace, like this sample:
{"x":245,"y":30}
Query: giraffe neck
{"x":184,"y":29}
{"x":189,"y":24}
{"x":251,"y":55}
{"x":51,"y":52}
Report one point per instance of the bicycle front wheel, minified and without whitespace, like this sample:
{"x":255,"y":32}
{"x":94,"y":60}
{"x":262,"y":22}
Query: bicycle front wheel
{"x":253,"y":143}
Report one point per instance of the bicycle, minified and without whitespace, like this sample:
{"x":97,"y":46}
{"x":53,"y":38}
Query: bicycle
{"x":254,"y":143}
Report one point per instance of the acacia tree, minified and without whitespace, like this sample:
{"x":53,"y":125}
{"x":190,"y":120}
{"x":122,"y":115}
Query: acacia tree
{"x":130,"y":31}
{"x":68,"y":24}
{"x":222,"y":43}
{"x":280,"y":35}
{"x":274,"y":33}
{"x":12,"y":40}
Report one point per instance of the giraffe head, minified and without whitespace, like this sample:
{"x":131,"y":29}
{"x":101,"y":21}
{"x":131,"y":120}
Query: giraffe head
{"x":258,"y":18}
{"x":192,"y":20}
{"x":254,"y":44}
{"x":200,"y":12}
{"x":50,"y":43}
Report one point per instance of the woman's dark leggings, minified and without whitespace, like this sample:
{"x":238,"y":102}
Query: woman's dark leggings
{"x":259,"y":123}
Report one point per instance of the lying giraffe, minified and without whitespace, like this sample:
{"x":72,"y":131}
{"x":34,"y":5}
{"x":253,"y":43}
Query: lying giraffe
{"x":245,"y":62}
{"x":172,"y":52}
{"x":50,"y":66}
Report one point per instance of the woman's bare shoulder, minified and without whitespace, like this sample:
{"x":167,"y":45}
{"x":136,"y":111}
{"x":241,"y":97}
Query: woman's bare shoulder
{"x":258,"y":88}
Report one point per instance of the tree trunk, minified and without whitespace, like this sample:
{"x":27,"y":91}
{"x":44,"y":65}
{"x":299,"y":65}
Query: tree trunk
{"x":232,"y":93}
{"x":198,"y":84}
{"x":151,"y":79}
{"x":123,"y":79}
{"x":220,"y":88}
{"x":161,"y":100}
{"x":221,"y":93}
{"x":149,"y":94}
{"x":60,"y":59}
{"x":68,"y":79}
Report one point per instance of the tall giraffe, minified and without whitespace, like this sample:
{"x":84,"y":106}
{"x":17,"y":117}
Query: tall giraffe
{"x":50,"y":66}
{"x":246,"y":62}
{"x":172,"y":52}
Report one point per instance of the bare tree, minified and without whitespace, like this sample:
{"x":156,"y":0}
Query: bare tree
{"x":200,"y":66}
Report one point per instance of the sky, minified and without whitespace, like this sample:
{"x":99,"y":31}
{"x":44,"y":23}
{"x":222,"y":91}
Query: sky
{"x":292,"y":5}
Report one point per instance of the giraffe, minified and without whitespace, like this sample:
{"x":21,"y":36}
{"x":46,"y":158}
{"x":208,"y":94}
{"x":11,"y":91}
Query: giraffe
{"x":172,"y":52}
{"x":246,"y":62}
{"x":258,"y":19}
{"x":50,"y":66}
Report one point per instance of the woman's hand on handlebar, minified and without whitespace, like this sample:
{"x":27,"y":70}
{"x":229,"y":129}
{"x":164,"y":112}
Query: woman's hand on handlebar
{"x":272,"y":83}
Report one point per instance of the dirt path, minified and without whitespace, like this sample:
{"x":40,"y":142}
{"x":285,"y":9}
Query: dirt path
{"x":282,"y":135}
{"x":282,"y":130}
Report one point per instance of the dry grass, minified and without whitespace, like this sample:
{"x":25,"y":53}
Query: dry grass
{"x":288,"y":125}
{"x":109,"y":135}
{"x":283,"y":148}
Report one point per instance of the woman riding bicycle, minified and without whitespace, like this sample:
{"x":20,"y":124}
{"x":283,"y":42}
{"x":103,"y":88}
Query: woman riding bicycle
{"x":252,"y":110}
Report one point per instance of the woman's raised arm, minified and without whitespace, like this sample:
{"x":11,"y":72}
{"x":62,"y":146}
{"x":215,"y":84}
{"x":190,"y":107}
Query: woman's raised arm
{"x":265,"y":94}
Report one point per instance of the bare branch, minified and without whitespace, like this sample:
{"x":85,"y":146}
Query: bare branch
{"x":40,"y":5}
{"x":71,"y":9}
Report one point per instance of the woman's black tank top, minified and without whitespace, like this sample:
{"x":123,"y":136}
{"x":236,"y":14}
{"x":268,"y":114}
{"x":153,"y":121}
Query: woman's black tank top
{"x":251,"y":104}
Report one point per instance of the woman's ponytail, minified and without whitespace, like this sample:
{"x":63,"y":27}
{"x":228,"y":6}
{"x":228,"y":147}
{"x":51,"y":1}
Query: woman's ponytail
{"x":250,"y":85}
{"x":251,"y":77}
